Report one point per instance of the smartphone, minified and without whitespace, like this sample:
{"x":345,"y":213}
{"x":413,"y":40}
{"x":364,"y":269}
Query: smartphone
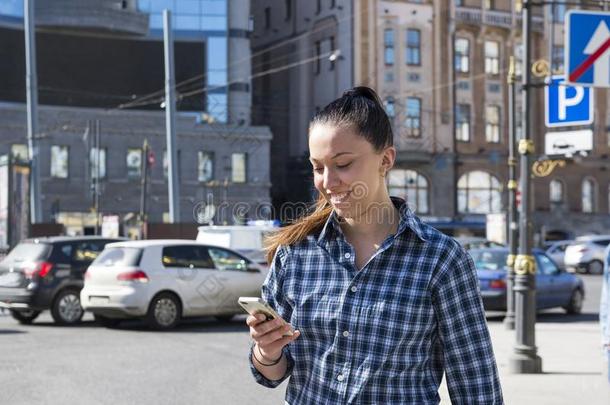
{"x":255,"y":305}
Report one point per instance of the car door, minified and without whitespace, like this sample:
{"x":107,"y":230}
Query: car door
{"x":193,"y":272}
{"x":237,"y":275}
{"x":547,"y":282}
{"x":562,"y":282}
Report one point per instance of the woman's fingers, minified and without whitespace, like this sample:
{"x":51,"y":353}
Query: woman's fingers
{"x":274,"y":335}
{"x":264,"y":328}
{"x":278,"y":345}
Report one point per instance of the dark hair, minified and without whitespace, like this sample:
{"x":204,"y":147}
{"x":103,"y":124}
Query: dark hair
{"x":360,"y":109}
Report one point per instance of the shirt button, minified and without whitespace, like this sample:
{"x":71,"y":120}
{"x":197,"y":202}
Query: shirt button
{"x":346,"y":333}
{"x":354,"y":289}
{"x":348,"y":255}
{"x":340,"y":377}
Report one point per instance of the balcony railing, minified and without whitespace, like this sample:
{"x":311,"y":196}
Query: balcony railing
{"x":494,"y":18}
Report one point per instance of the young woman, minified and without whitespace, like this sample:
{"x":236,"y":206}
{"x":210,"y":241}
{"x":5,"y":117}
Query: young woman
{"x":382,"y":304}
{"x":604,"y":311}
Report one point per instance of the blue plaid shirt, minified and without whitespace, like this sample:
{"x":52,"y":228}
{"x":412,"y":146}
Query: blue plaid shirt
{"x":384,"y":334}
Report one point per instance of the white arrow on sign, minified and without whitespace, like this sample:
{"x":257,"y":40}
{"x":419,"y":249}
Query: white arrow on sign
{"x":601,"y":67}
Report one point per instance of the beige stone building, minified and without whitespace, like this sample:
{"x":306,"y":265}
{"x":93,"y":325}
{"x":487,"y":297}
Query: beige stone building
{"x":441,"y":69}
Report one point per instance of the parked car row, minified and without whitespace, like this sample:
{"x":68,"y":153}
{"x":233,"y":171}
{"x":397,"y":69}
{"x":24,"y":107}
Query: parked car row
{"x":161,"y":281}
{"x":554,"y":286}
{"x":585,"y":254}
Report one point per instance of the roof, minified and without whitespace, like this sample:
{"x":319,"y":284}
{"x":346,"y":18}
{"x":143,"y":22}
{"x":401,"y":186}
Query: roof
{"x":156,"y":242}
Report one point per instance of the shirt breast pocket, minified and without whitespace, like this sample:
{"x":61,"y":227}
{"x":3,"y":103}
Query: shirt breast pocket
{"x":316,"y":316}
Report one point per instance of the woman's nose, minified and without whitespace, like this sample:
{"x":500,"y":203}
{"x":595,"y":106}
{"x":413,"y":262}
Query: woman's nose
{"x":330,"y":179}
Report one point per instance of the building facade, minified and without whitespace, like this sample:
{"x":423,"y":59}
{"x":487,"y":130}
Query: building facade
{"x":102,"y":62}
{"x":441,"y":69}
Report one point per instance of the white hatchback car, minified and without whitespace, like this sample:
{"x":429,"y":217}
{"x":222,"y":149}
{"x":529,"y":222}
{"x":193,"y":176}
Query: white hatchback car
{"x":165,"y":280}
{"x":586,"y":254}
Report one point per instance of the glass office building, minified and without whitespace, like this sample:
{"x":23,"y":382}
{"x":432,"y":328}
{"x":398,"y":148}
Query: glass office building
{"x":198,"y":19}
{"x":205,"y":20}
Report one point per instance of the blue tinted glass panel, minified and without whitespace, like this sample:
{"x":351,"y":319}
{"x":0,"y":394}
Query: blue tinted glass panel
{"x":216,"y":78}
{"x":11,"y":7}
{"x":214,"y":7}
{"x":217,"y":106}
{"x":187,"y":22}
{"x":217,"y":53}
{"x":188,"y":7}
{"x":157,"y":6}
{"x":156,"y":21}
{"x":214,"y":23}
{"x":144,"y":5}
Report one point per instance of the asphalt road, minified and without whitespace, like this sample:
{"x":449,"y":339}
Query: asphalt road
{"x":203,"y":361}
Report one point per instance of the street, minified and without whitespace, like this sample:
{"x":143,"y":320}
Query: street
{"x":205,"y":361}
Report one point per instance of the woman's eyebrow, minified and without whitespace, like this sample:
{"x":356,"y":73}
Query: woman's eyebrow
{"x":334,"y":157}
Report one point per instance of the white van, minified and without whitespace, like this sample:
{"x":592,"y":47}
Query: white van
{"x":247,"y":240}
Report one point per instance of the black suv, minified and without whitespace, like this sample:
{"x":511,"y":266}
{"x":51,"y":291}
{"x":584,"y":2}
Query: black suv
{"x":48,"y":273}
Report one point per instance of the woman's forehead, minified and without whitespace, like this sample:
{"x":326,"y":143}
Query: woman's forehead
{"x":325,"y":141}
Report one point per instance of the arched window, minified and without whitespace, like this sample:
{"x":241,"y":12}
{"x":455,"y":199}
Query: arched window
{"x":556,"y":195}
{"x":479,"y":193}
{"x":589,"y":195}
{"x":411,"y":186}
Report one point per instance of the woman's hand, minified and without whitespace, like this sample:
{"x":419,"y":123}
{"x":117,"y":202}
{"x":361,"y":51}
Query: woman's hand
{"x":269,"y":335}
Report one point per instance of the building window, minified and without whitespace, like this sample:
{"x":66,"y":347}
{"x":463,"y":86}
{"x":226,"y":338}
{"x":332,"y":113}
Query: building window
{"x":588,"y":196}
{"x":518,"y":59}
{"x":267,"y":17}
{"x":19,"y":152}
{"x":459,"y":3}
{"x":390,"y":108}
{"x":97,"y":163}
{"x":608,"y":198}
{"x":388,"y":43}
{"x":556,"y":192}
{"x":558,"y":58}
{"x":413,"y":117}
{"x":333,"y":57}
{"x":462,"y":124}
{"x":559,"y":12}
{"x":134,"y":163}
{"x":333,"y":3}
{"x":288,"y":9}
{"x":318,"y":6}
{"x":462,"y":55}
{"x":413,"y":53}
{"x":238,"y":168}
{"x":490,"y":4}
{"x":59,"y":162}
{"x":205,"y":166}
{"x":318,"y":57}
{"x":479,"y":193}
{"x":492,"y":57}
{"x":492,"y":123}
{"x":412,"y":186}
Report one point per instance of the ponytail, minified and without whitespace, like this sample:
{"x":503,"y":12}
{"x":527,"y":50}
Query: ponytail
{"x":298,"y":231}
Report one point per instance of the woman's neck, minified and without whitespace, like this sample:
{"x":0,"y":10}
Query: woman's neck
{"x":378,"y":220}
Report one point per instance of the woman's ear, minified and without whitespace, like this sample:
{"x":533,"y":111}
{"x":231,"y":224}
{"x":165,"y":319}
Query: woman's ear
{"x":388,"y":159}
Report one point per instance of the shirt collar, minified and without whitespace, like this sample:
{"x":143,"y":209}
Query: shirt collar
{"x":408,"y":220}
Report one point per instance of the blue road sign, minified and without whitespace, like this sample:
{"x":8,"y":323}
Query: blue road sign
{"x":588,"y":48}
{"x":567,"y":105}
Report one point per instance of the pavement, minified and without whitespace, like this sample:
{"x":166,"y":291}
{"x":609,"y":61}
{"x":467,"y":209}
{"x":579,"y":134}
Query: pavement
{"x":572,"y":362}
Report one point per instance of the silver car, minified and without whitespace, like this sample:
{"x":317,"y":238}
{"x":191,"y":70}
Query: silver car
{"x":586,"y":254}
{"x":557,"y":250}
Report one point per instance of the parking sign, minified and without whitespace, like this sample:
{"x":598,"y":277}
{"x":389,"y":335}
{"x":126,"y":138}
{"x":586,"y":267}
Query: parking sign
{"x":567,"y":105}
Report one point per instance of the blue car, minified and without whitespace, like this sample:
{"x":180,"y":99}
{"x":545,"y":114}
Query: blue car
{"x":554,"y":287}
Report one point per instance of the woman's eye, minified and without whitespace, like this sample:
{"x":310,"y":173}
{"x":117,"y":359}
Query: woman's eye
{"x":318,"y":169}
{"x":344,"y":166}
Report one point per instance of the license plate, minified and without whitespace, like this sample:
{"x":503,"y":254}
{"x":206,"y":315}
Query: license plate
{"x":98,"y":300}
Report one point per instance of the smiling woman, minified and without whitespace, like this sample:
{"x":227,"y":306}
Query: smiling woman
{"x":382,"y":305}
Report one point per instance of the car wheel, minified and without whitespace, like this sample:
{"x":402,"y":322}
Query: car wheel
{"x":164,"y":311}
{"x":106,"y":322}
{"x":66,"y":309}
{"x":595,"y":267}
{"x":224,"y":318}
{"x":575,"y":305}
{"x":25,"y":317}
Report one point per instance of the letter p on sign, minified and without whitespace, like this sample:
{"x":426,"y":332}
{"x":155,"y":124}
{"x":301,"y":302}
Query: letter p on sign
{"x":567,"y":105}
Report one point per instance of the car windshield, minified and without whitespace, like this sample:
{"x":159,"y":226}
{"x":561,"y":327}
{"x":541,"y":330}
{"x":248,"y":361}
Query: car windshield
{"x":118,"y":256}
{"x":489,"y":259}
{"x":28,"y":251}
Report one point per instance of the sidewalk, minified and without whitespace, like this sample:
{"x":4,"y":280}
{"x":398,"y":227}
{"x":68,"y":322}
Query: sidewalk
{"x":572,"y":364}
